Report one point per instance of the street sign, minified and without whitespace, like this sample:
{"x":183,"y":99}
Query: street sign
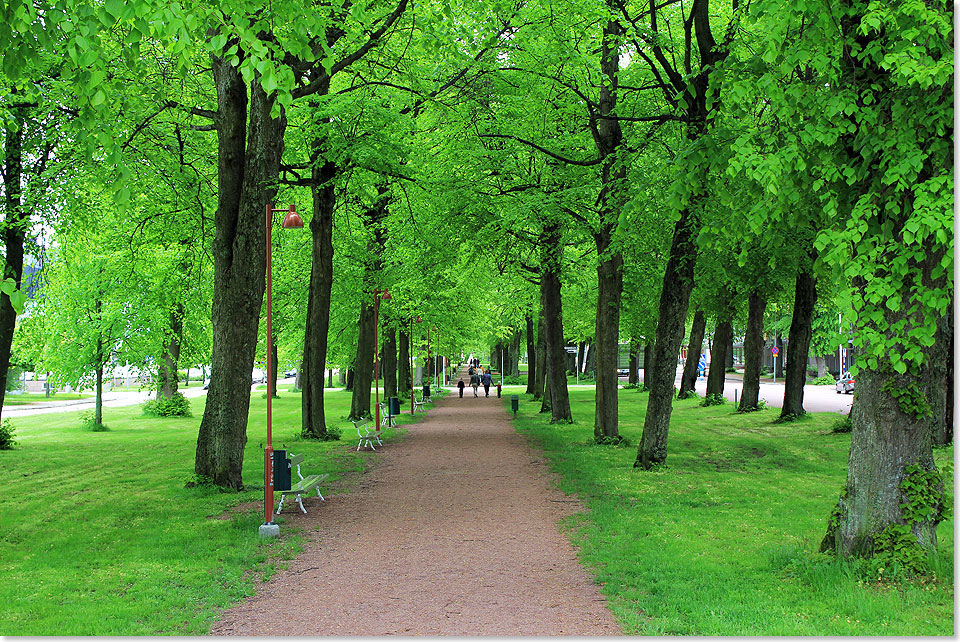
{"x":570,"y":349}
{"x":775,"y":350}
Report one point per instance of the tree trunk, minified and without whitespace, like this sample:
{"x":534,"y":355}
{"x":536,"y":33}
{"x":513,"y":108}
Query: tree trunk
{"x":753,"y":353}
{"x":388,"y":365}
{"x":514,"y":355}
{"x":531,"y":357}
{"x":313,"y":421}
{"x":246,"y":181}
{"x":821,"y":364}
{"x":363,"y":365}
{"x":633,"y":376}
{"x":349,"y":386}
{"x":718,"y":357}
{"x":691,"y":367}
{"x":403,"y":364}
{"x":801,"y":331}
{"x":550,"y":302}
{"x":540,"y":376}
{"x":15,"y":222}
{"x":272,"y":376}
{"x":648,"y":360}
{"x":674,"y":298}
{"x":944,"y":437}
{"x":98,"y":404}
{"x":886,"y":439}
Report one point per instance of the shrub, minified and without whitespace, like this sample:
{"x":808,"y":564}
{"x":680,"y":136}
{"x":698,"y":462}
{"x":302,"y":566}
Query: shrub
{"x":176,"y":406}
{"x":7,"y":442}
{"x":715,"y":399}
{"x":825,"y":380}
{"x":87,"y":422}
{"x":843,"y":424}
{"x":514,"y":381}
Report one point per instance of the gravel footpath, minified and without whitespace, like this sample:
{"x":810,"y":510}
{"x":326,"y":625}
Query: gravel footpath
{"x":454,"y":531}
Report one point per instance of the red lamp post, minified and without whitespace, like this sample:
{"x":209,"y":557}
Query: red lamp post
{"x":377,"y":295}
{"x":291,"y":221}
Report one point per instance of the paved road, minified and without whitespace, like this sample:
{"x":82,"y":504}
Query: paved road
{"x":815,"y":398}
{"x":110,"y":400}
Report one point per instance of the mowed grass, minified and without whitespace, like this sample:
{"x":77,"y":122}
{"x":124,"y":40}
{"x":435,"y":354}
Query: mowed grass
{"x":100,"y":537}
{"x":723,"y":539}
{"x":40,"y":397}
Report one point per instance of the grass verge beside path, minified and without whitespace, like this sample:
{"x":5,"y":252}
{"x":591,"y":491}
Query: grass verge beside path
{"x":100,"y":537}
{"x":40,"y":397}
{"x":722,"y":540}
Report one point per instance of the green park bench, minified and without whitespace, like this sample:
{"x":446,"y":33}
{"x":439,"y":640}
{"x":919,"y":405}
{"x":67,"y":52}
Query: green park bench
{"x":303,"y":486}
{"x":364,"y":435}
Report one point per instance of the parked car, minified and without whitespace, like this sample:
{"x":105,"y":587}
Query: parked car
{"x":258,"y":376}
{"x":845,"y":384}
{"x":290,"y":373}
{"x":623,"y":372}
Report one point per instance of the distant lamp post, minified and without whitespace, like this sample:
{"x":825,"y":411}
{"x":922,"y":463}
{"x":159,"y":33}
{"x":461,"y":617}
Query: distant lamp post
{"x":291,"y":221}
{"x":377,"y":295}
{"x":412,"y":360}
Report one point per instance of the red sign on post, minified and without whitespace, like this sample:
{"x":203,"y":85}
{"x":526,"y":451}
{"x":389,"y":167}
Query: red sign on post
{"x":775,"y":350}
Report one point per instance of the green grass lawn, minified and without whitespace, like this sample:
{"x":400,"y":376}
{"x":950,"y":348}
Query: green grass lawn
{"x":38,"y":397}
{"x":722,"y":540}
{"x":100,"y":537}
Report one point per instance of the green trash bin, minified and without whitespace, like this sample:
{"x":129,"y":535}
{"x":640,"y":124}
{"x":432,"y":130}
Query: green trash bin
{"x":393,"y":405}
{"x":515,"y":404}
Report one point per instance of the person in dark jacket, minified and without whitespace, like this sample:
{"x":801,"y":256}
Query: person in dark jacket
{"x":475,"y":382}
{"x":460,"y":385}
{"x":487,"y":380}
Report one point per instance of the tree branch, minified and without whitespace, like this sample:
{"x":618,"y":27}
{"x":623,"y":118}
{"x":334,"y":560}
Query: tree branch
{"x":562,"y":159}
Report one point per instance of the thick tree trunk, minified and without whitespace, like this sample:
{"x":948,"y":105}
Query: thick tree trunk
{"x":944,"y":437}
{"x":752,"y":353}
{"x":801,"y":331}
{"x":691,"y":367}
{"x":313,"y":421}
{"x":633,"y":376}
{"x":246,"y":180}
{"x":609,"y":141}
{"x":718,"y":358}
{"x":388,"y":364}
{"x":531,"y":356}
{"x":648,"y":359}
{"x":886,"y":439}
{"x":15,"y":222}
{"x":540,"y":376}
{"x":674,"y":298}
{"x":550,"y":302}
{"x":403,"y":364}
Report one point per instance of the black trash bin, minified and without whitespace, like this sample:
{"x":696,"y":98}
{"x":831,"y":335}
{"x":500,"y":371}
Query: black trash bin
{"x":393,"y":405}
{"x":426,"y":391}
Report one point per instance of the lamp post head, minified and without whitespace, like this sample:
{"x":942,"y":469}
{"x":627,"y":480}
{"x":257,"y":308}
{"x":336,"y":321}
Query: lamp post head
{"x":292,"y":220}
{"x":419,"y":320}
{"x":386,"y":295}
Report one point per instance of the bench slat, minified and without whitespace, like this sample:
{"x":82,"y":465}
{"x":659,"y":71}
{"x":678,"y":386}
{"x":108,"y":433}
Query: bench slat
{"x":307,"y":483}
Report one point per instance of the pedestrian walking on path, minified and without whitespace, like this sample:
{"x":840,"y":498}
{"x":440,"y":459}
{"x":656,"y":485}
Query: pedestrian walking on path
{"x":475,"y":382}
{"x":460,"y":387}
{"x":454,"y":530}
{"x":487,"y":380}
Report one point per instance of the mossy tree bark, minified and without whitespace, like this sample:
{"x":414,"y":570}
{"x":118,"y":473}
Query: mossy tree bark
{"x":169,"y":381}
{"x":403,"y":363}
{"x":648,"y":360}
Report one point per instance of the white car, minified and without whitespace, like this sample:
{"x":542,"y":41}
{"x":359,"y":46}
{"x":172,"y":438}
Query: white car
{"x":845,"y":384}
{"x":258,"y":376}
